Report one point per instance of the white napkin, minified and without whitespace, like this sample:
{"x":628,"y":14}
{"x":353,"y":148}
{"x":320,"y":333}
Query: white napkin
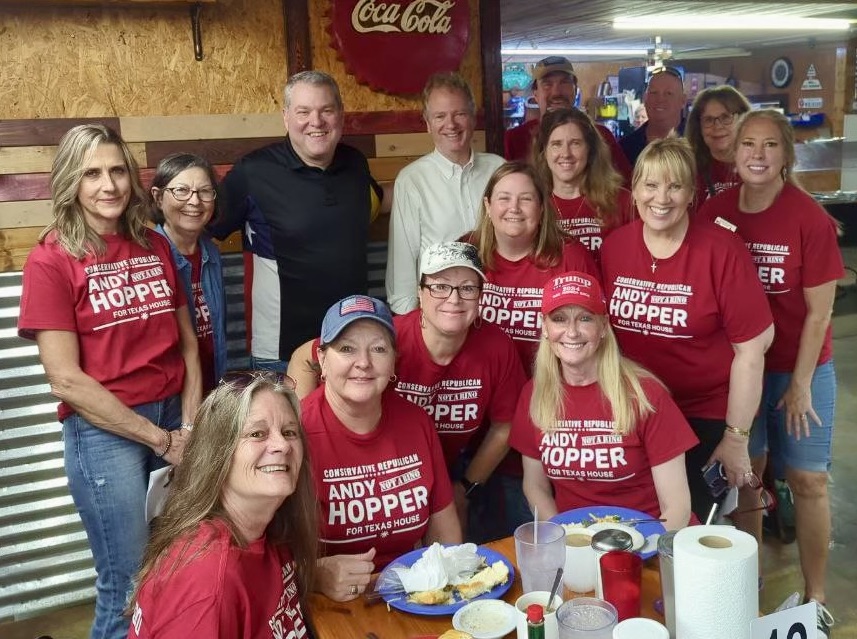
{"x":156,"y":496}
{"x":439,"y":567}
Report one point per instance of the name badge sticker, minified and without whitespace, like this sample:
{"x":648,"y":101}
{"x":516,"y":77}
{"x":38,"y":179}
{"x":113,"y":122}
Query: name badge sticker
{"x":726,"y":224}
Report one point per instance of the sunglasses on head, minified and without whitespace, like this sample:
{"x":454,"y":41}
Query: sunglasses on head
{"x":668,"y":70}
{"x":242,"y":379}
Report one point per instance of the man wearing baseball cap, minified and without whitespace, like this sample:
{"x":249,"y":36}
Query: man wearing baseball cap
{"x":555,"y":86}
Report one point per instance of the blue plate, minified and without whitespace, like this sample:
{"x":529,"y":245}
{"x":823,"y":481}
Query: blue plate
{"x":581,"y":516}
{"x":399,"y":601}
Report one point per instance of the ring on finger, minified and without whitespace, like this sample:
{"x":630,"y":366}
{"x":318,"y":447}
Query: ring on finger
{"x":353,"y":589}
{"x":803,"y":417}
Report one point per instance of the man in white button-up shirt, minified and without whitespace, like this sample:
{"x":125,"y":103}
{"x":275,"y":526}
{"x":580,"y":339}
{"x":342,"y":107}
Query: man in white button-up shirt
{"x":438,"y":197}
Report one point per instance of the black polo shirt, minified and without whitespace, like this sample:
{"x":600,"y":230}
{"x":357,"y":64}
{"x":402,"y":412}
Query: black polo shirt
{"x":304,"y":232}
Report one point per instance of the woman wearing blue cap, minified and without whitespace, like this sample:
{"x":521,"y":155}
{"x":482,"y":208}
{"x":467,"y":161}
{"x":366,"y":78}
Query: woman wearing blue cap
{"x":377,"y":462}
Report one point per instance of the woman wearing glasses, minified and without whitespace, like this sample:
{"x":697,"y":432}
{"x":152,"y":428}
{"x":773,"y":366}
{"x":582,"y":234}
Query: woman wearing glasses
{"x":586,"y":191}
{"x":521,"y":246}
{"x":793,"y":242}
{"x":684,"y":303}
{"x":102,"y":300}
{"x":711,"y":132}
{"x":377,"y":462}
{"x":592,"y":426}
{"x":183,"y":193}
{"x":233,"y":553}
{"x":464,"y":372}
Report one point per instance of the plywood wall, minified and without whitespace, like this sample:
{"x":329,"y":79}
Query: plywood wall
{"x":120,"y":61}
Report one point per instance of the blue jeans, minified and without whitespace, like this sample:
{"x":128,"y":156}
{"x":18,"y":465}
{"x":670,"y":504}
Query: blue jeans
{"x":108,"y":476}
{"x":813,"y":453}
{"x":263,"y":364}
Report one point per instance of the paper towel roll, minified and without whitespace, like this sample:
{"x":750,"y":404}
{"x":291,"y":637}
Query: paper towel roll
{"x":716,"y":582}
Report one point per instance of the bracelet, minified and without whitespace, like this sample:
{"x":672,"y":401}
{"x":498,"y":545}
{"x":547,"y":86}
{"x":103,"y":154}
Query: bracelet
{"x":738,"y":431}
{"x":188,"y":426}
{"x":168,"y":446}
{"x":469,"y":486}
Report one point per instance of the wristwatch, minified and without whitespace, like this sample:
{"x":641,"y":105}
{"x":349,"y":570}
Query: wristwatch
{"x":469,"y":486}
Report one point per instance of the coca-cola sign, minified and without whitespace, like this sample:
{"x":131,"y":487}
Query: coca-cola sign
{"x":394,"y":46}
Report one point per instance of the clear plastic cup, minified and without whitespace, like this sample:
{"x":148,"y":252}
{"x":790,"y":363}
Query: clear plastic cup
{"x":539,"y":557}
{"x":586,"y":618}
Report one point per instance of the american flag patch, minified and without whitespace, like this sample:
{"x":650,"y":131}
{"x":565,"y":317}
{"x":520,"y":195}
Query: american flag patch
{"x":356,"y":304}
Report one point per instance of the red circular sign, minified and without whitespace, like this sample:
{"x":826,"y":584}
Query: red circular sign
{"x":395,"y":45}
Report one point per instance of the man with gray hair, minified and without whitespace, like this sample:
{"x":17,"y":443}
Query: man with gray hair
{"x":438,"y":197}
{"x":304,"y":206}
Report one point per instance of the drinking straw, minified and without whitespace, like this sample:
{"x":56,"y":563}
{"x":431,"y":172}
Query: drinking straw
{"x":535,"y":524}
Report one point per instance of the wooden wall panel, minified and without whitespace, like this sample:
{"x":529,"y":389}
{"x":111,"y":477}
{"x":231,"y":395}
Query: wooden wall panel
{"x":38,"y":159}
{"x":415,"y":144}
{"x":21,"y":214}
{"x":15,"y":246}
{"x":48,"y":131}
{"x":112,"y":61}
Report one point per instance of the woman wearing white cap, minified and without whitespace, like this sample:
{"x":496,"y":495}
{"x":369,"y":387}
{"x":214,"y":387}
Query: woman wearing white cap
{"x":465,"y":373}
{"x":377,"y":463}
{"x":593,"y":427}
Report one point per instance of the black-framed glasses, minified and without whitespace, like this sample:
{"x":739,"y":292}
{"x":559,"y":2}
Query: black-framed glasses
{"x":442,"y":291}
{"x":242,"y":379}
{"x":184,"y":193}
{"x":709,"y":121}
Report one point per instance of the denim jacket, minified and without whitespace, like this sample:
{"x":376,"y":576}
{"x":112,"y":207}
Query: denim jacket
{"x":213,"y":289}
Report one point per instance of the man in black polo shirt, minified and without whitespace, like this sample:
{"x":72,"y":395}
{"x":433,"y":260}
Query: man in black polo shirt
{"x":304,"y":207}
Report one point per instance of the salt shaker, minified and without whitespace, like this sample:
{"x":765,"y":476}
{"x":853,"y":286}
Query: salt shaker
{"x":603,"y":542}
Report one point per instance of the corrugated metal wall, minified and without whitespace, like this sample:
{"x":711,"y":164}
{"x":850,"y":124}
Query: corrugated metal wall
{"x":44,"y":556}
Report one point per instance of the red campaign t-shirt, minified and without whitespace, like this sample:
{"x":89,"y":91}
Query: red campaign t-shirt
{"x":225,"y":592}
{"x":794,"y":246}
{"x":681,"y":320}
{"x":512,"y":295}
{"x":587,"y":464}
{"x":376,"y":490}
{"x":204,"y":328}
{"x":721,"y":176}
{"x":518,"y":145}
{"x":481,"y":383}
{"x":122,"y":306}
{"x":579,"y":220}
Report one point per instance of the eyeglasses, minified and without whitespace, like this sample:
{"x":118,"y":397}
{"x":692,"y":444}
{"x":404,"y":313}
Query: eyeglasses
{"x":726,"y":119}
{"x":767,"y":501}
{"x":443,"y":291}
{"x":242,"y":379}
{"x":183,"y":193}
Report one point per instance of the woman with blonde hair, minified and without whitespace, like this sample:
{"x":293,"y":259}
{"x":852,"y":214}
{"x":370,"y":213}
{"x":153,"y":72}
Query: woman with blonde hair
{"x":521,"y":245}
{"x":685,"y":303}
{"x":575,"y":164}
{"x":583,"y":389}
{"x":102,"y":300}
{"x":710,"y":130}
{"x":793,"y":242}
{"x":233,"y":553}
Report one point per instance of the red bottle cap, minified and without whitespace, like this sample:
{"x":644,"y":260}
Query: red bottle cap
{"x":535,"y":613}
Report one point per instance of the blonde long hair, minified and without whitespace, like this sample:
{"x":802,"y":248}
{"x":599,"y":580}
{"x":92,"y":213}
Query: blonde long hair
{"x":547,"y":250}
{"x":197,"y":487}
{"x":601,"y":183}
{"x":619,"y":379}
{"x":76,"y":149}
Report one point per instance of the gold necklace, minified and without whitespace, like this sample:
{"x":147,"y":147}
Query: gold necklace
{"x":555,"y":201}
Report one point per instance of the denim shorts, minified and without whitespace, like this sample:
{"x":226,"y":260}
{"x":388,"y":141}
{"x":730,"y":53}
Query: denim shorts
{"x":813,"y":453}
{"x":108,"y":476}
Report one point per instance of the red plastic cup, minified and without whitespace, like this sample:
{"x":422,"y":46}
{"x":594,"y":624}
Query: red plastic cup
{"x":621,"y":575}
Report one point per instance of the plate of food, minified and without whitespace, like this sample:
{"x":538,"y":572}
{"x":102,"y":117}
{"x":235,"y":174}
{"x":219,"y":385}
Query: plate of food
{"x":605,"y":515}
{"x":491,"y":579}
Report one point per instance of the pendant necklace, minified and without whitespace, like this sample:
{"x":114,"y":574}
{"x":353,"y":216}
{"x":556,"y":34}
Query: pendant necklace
{"x":654,"y":262}
{"x":555,"y":201}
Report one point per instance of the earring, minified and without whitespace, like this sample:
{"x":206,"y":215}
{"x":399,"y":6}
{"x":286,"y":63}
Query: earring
{"x":784,"y":173}
{"x":393,"y":378}
{"x":323,"y":377}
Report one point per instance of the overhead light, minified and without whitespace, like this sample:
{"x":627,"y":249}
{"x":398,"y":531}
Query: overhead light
{"x":729,"y":22}
{"x":593,"y":52}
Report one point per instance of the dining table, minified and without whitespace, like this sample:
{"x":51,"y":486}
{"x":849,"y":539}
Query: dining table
{"x":358,"y":619}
